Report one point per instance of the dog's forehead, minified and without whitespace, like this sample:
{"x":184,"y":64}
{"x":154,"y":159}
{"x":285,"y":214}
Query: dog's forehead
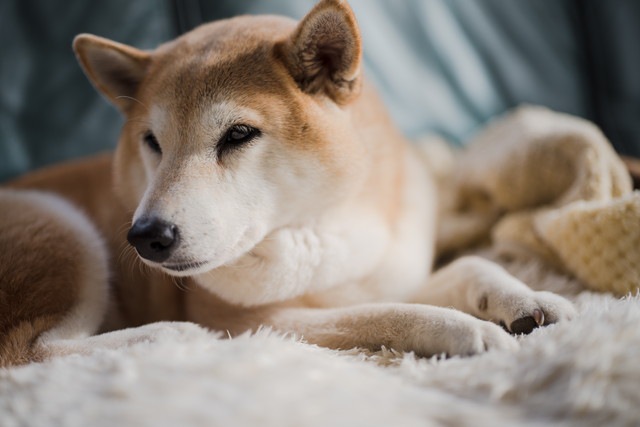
{"x":234,"y":33}
{"x":219,"y":61}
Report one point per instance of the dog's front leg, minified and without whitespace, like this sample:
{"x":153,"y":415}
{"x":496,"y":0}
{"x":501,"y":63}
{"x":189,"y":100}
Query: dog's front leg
{"x":485,"y":290}
{"x":422,"y":329}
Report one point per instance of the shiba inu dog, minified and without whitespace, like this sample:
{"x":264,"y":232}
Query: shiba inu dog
{"x":258,"y":180}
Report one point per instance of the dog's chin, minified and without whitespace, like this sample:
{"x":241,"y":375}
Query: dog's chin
{"x":187,"y":268}
{"x":182,"y":269}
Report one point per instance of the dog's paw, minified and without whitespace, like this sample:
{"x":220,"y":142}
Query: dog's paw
{"x":522,"y":312}
{"x":478,"y":337}
{"x":457,"y":334}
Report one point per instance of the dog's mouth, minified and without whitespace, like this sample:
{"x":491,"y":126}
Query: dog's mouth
{"x":184,"y":267}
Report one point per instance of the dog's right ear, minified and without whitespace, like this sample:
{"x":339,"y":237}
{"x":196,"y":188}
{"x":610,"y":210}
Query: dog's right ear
{"x":115,"y":69}
{"x":324,"y":53}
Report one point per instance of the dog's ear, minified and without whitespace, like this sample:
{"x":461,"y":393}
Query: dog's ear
{"x":115,"y":69}
{"x":324,"y":54}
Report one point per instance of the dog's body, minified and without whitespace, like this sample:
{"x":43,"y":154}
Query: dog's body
{"x":259,"y":171}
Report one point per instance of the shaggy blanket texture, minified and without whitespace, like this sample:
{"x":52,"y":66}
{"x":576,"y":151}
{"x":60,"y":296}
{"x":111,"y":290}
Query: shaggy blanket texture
{"x":583,"y":372}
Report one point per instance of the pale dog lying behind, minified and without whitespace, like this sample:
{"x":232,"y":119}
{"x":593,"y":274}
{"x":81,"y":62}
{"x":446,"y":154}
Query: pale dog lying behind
{"x":262,"y":169}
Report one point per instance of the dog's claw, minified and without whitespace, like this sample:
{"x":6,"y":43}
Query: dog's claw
{"x":538,"y":316}
{"x":531,"y":310}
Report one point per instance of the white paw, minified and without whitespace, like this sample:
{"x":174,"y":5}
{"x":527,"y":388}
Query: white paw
{"x":455,"y":333}
{"x":522,"y":312}
{"x":478,"y":337}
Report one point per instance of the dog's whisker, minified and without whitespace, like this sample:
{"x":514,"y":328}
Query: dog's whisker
{"x":133,"y":99}
{"x":130,"y":258}
{"x":239,"y":266}
{"x":135,"y":121}
{"x":179,"y":283}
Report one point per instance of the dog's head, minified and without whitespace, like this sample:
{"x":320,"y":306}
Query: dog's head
{"x":233,"y":130}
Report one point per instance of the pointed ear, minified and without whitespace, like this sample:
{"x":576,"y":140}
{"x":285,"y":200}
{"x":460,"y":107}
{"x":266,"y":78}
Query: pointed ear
{"x":324,"y":53}
{"x":115,"y":69}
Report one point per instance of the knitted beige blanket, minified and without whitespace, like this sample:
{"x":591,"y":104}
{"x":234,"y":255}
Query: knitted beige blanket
{"x":536,"y":183}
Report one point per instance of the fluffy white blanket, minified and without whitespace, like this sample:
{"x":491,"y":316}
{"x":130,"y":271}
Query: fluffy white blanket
{"x":584,"y":373}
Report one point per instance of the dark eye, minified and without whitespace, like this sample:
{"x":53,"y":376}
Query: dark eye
{"x":152,"y":142}
{"x":236,"y":136}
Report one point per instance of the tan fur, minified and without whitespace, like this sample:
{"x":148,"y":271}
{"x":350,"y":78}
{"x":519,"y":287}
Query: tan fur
{"x":96,"y":196}
{"x":33,"y":296}
{"x":18,"y":345}
{"x":329,"y":154}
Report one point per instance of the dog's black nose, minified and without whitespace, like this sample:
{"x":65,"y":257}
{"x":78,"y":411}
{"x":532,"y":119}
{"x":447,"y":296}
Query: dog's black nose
{"x":154,"y":239}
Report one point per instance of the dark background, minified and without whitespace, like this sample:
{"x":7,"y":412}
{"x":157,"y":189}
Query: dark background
{"x":444,"y":66}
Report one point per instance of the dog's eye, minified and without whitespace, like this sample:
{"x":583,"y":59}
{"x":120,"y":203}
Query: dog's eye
{"x":236,"y":136}
{"x":239,"y":134}
{"x":152,"y":142}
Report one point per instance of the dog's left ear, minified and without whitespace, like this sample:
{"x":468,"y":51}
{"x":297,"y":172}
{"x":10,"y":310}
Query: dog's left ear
{"x":324,"y":54}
